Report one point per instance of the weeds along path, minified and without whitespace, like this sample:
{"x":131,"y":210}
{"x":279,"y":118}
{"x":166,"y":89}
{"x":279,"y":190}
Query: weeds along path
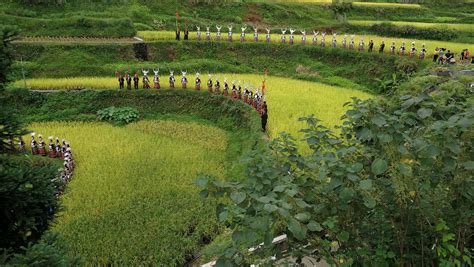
{"x":133,"y":200}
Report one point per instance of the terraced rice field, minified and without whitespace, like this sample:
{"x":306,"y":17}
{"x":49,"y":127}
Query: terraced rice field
{"x":288,"y":99}
{"x":422,"y":25}
{"x":132,"y":200}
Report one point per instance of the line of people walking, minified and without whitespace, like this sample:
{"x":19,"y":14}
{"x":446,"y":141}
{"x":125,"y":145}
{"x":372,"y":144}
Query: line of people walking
{"x":234,"y":90}
{"x":61,"y":150}
{"x":318,"y":38}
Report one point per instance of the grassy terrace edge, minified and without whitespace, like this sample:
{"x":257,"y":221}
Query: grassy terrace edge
{"x":239,"y":120}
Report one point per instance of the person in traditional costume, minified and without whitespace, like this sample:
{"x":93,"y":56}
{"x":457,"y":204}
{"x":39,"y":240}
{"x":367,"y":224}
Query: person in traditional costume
{"x":283,"y":36}
{"x":52,"y":148}
{"x":156,"y":79}
{"x":226,"y":88}
{"x":323,"y":39}
{"x":412,"y":50}
{"x":402,"y":49}
{"x":234,"y":91}
{"x":361,"y":45}
{"x":315,"y":37}
{"x":242,"y":35}
{"x":63,"y":149}
{"x":255,"y":100}
{"x":186,"y":32}
{"x":198,"y":81}
{"x":34,"y":145}
{"x":230,"y":33}
{"x":392,"y":48}
{"x":352,"y":42}
{"x":344,"y":41}
{"x":246,"y":95}
{"x":303,"y":37}
{"x":250,"y":98}
{"x":208,"y":33}
{"x":178,"y":33}
{"x":292,"y":37}
{"x":422,"y":52}
{"x":184,"y":80}
{"x":209,"y":83}
{"x":21,"y":145}
{"x":218,"y":27}
{"x":371,"y":46}
{"x":334,"y":40}
{"x":382,"y":47}
{"x":146,"y":81}
{"x":198,"y":33}
{"x":267,"y":37}
{"x":217,"y":87}
{"x":58,"y":148}
{"x":240,"y":92}
{"x":136,"y":79}
{"x":41,"y":146}
{"x":264,"y":116}
{"x":255,"y":34}
{"x":128,"y":79}
{"x":172,"y":79}
{"x":121,"y":82}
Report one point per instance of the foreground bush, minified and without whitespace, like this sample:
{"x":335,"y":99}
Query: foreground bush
{"x":50,"y":251}
{"x":119,"y":116}
{"x":27,"y":199}
{"x":392,"y":189}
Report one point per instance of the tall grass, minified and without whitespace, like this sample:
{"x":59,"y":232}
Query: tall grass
{"x":132,"y":200}
{"x":288,"y":99}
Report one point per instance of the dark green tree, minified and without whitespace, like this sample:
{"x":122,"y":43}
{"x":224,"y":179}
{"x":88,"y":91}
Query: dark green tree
{"x":11,"y":126}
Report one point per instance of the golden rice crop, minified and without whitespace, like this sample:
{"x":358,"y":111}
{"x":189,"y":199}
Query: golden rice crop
{"x":385,"y":5}
{"x":422,"y":25}
{"x":132,"y":200}
{"x":275,"y":38}
{"x":288,"y":99}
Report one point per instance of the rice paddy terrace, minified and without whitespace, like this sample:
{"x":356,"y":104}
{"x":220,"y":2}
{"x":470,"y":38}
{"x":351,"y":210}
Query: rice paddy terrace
{"x":134,"y":199}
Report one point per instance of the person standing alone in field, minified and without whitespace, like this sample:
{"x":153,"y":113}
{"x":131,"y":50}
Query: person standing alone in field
{"x":264,"y":115}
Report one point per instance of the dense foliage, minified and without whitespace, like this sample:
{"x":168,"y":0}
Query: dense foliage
{"x":51,"y":250}
{"x":392,"y":188}
{"x":118,"y":115}
{"x":27,"y":199}
{"x":73,"y":26}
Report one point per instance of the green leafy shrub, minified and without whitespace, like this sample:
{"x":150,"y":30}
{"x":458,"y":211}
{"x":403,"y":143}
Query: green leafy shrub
{"x":391,"y":189}
{"x":50,"y":251}
{"x":119,"y":116}
{"x":27,"y":199}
